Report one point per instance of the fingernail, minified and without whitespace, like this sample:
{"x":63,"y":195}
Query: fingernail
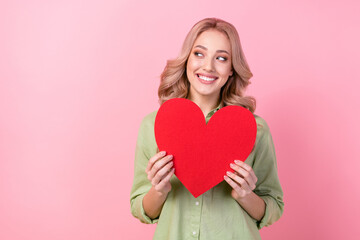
{"x":228,"y":173}
{"x":170,"y":157}
{"x":171,"y":163}
{"x":232,"y":165}
{"x":163,"y":153}
{"x":237,"y":161}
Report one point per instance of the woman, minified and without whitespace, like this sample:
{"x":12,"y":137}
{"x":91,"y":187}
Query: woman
{"x":211,"y":71}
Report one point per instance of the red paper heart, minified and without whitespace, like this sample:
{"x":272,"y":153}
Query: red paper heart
{"x":203,"y":152}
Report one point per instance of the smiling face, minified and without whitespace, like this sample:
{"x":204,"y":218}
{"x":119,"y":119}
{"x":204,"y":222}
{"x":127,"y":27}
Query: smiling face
{"x":209,"y":65}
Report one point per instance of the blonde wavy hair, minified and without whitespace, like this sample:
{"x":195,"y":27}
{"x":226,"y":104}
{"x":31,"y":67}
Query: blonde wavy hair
{"x":174,"y":82}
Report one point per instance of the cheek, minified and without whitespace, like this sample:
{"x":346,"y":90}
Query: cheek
{"x":224,"y":70}
{"x":193,"y":64}
{"x":190,"y":67}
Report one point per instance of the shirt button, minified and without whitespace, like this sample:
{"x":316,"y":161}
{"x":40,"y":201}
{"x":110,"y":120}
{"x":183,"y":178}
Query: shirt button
{"x":197,"y":203}
{"x":194,"y":233}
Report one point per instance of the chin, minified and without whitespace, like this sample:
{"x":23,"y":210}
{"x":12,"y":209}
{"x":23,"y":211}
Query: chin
{"x":207,"y":93}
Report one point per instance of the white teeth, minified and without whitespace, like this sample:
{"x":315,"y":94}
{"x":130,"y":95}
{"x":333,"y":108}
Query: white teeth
{"x":206,"y":78}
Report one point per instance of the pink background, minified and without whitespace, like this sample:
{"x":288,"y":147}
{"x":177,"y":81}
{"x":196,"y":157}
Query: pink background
{"x":77,"y":77}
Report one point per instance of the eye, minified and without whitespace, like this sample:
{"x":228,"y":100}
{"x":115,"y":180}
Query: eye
{"x":198,"y":54}
{"x":222,"y":58}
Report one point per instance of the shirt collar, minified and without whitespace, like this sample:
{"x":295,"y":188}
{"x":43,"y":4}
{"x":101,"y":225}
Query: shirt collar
{"x":212,"y":112}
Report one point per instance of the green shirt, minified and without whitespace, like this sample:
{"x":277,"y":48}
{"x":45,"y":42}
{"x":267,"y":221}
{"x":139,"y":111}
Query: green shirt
{"x":214,"y":214}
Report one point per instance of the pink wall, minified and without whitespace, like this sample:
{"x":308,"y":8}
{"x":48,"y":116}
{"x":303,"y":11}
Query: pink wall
{"x":76,"y":78}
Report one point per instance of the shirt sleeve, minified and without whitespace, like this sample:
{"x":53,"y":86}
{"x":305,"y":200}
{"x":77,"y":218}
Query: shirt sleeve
{"x":145,"y":149}
{"x":268,"y":185}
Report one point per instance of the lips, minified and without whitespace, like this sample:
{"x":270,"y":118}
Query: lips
{"x":206,"y":79}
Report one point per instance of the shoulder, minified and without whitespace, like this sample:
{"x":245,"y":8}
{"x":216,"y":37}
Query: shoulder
{"x":147,"y":123}
{"x":261,"y":123}
{"x":146,"y":135}
{"x":149,"y":119}
{"x":263,"y":129}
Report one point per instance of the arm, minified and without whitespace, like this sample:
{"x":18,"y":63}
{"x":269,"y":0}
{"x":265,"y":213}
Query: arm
{"x":262,"y":201}
{"x":159,"y":171}
{"x":268,"y":185}
{"x":146,"y":202}
{"x":243,"y":194}
{"x":253,"y":205}
{"x":243,"y":183}
{"x":153,"y":202}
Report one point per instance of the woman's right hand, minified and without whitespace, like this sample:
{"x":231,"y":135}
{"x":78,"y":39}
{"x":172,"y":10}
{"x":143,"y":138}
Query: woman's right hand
{"x":159,"y":171}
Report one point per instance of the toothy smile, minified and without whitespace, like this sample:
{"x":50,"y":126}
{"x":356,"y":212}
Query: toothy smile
{"x":205,"y":78}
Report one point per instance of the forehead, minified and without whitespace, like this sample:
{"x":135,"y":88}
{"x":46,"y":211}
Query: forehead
{"x":213,"y":40}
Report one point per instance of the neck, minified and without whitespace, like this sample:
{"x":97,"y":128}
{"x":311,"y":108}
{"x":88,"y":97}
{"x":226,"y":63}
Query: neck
{"x":205,"y":103}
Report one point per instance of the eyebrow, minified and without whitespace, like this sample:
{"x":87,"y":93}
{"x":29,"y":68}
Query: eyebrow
{"x":200,"y":46}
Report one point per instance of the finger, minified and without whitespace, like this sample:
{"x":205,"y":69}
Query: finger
{"x":161,"y":173}
{"x":244,"y":175}
{"x":239,"y":180}
{"x":159,"y":165}
{"x":235,"y":186}
{"x":154,"y":159}
{"x":168,"y":175}
{"x":248,"y":169}
{"x":165,"y":180}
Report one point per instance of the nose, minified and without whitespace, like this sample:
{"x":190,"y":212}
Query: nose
{"x":208,"y":65}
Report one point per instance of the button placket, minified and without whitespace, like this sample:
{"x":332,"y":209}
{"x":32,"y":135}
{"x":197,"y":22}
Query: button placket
{"x":196,"y":217}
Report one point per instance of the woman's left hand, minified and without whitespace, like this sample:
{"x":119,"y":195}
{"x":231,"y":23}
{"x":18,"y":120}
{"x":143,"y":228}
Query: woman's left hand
{"x":242,"y":181}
